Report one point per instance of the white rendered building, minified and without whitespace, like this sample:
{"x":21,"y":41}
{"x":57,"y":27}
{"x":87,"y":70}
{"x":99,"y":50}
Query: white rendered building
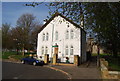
{"x":70,"y":38}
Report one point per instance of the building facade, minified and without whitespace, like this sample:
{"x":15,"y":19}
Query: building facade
{"x":70,"y":38}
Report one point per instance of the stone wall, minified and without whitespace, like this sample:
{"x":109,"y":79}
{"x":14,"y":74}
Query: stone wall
{"x":106,"y":74}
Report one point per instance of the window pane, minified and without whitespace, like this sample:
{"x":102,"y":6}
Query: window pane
{"x":67,"y":35}
{"x":56,"y":35}
{"x":72,"y":34}
{"x":71,"y":50}
{"x":43,"y":37}
{"x":42,"y":50}
{"x":47,"y":36}
{"x":66,"y":50}
{"x":46,"y":50}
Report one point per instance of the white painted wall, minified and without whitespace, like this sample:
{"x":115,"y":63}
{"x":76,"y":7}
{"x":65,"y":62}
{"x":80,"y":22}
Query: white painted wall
{"x":54,"y":26}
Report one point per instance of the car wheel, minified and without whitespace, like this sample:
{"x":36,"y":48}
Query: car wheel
{"x":23,"y":62}
{"x":34,"y":63}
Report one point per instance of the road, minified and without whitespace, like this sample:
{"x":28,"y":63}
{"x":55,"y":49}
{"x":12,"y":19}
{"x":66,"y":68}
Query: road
{"x":24,"y":71}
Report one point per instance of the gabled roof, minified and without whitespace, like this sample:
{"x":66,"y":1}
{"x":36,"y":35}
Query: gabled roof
{"x":58,"y":14}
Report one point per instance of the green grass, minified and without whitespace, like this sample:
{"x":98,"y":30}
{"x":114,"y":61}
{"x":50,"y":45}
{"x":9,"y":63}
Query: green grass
{"x":14,"y":55}
{"x":5,"y":55}
{"x":113,"y":63}
{"x":18,"y":57}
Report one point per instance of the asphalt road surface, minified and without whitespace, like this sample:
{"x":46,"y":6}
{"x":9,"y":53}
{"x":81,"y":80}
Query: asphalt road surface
{"x":25,"y":71}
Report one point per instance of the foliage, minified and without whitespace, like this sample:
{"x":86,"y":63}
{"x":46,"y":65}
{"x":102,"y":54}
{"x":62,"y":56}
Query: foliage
{"x":25,"y":24}
{"x":72,"y":10}
{"x":24,"y":35}
{"x":25,"y":31}
{"x":6,"y":36}
{"x":34,"y":34}
{"x":113,"y":63}
{"x":102,"y":20}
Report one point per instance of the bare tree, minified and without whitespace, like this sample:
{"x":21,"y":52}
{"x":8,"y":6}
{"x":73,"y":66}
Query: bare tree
{"x":25,"y":25}
{"x":5,"y":36}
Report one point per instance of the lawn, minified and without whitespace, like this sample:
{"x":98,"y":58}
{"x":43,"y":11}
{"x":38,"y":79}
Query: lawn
{"x":14,"y":55}
{"x":113,"y":63}
{"x":5,"y":55}
{"x":18,"y":57}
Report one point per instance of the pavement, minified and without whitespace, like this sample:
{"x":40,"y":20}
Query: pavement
{"x":86,"y":70}
{"x":75,"y":72}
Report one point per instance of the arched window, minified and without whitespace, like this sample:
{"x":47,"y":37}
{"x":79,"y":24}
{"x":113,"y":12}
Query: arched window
{"x":47,"y":36}
{"x":66,"y":50}
{"x":67,"y":34}
{"x":46,"y":50}
{"x":56,"y":35}
{"x":43,"y":37}
{"x":71,"y":34}
{"x":71,"y":50}
{"x":42,"y":49}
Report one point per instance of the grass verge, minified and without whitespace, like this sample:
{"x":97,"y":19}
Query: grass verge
{"x":14,"y":55}
{"x":113,"y":63}
{"x":5,"y":55}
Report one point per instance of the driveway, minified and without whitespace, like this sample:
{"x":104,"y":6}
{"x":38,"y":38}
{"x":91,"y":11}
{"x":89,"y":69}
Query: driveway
{"x":88,"y":70}
{"x":80,"y":73}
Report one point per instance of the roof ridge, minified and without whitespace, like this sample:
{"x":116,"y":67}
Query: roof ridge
{"x":56,"y":14}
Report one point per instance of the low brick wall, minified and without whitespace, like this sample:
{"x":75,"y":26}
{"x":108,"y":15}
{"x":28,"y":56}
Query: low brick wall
{"x":106,"y":74}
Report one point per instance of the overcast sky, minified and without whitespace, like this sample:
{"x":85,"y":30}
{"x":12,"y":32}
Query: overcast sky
{"x":11,"y":11}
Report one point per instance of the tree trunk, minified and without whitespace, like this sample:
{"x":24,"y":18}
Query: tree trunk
{"x":115,"y":53}
{"x":98,"y":56}
{"x":23,"y":50}
{"x":17,"y":50}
